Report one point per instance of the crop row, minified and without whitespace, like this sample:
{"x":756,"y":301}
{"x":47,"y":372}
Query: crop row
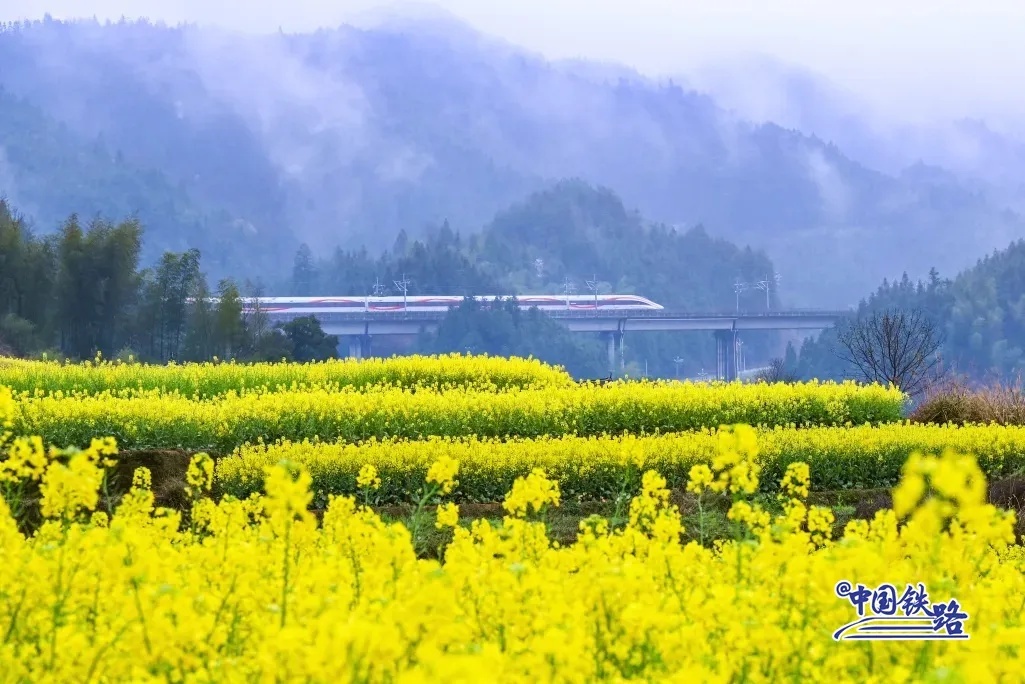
{"x":213,"y":379}
{"x":221,"y":424}
{"x":601,"y":467}
{"x":260,"y":590}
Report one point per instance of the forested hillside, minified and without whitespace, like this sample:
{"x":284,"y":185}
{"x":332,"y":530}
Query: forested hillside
{"x":980,"y":312}
{"x":346,"y":137}
{"x":50,"y":172}
{"x":81,"y":292}
{"x":85,"y":288}
{"x":571,"y":232}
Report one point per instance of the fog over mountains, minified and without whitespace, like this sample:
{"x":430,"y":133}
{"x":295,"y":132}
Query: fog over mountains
{"x":762,"y":89}
{"x":246,"y":145}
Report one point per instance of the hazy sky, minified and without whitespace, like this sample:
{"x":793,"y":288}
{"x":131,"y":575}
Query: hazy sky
{"x":901,"y":55}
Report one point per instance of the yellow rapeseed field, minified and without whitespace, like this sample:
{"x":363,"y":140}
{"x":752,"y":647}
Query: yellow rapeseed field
{"x":213,"y":379}
{"x":245,"y":584}
{"x":596,"y":467}
{"x":259,"y":590}
{"x":155,"y":419}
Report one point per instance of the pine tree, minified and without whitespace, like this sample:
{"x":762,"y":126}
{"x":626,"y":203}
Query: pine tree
{"x":200,"y":338}
{"x":229,"y":327}
{"x":304,"y":272}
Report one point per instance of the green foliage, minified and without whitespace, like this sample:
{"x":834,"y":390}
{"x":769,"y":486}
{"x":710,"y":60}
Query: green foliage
{"x":17,"y":334}
{"x":271,"y":347}
{"x":96,"y":285}
{"x":790,"y":359}
{"x":986,"y":322}
{"x":81,"y":290}
{"x":981,"y":313}
{"x":163,"y":309}
{"x":934,"y":298}
{"x":438,"y":264}
{"x":200,"y":339}
{"x":306,"y":339}
{"x":229,"y":327}
{"x":27,"y":268}
{"x":503,"y":329}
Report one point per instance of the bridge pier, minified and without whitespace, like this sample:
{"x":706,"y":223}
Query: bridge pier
{"x":622,"y":352}
{"x":349,"y":326}
{"x":614,"y":346}
{"x":726,"y":343}
{"x":355,"y":348}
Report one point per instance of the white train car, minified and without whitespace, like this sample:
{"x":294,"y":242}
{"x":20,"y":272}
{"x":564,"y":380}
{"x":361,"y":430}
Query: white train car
{"x":440,"y":303}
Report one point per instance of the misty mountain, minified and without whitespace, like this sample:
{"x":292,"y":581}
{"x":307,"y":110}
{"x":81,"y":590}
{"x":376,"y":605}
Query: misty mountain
{"x":347,"y":136}
{"x":50,"y":173}
{"x":762,"y":89}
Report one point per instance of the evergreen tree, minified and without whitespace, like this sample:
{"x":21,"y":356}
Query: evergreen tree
{"x":229,"y":327}
{"x":27,"y":267}
{"x":163,"y":307}
{"x":201,"y":338}
{"x":304,"y":273}
{"x":74,"y":302}
{"x":97,"y":284}
{"x":790,"y":359}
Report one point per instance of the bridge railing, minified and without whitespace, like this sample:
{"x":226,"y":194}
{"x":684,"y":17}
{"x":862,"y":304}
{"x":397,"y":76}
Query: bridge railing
{"x":328,"y":316}
{"x":669,"y":313}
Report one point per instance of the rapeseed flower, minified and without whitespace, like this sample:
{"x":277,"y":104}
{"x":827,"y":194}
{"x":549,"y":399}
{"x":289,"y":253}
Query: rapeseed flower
{"x":447,"y":515}
{"x":531,"y":494}
{"x":443,"y":473}
{"x":199,"y":478}
{"x":258,"y":591}
{"x":368,"y":477}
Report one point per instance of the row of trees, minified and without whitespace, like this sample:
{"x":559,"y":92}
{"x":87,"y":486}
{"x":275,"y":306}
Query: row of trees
{"x":81,"y":291}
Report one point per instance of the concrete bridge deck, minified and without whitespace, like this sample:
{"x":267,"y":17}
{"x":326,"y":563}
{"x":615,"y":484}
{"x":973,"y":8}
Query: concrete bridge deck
{"x":360,"y":327}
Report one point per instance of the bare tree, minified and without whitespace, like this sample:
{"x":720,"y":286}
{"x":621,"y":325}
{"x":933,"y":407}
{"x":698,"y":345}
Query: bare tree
{"x":777,"y":371}
{"x":894,"y":346}
{"x":256,"y":319}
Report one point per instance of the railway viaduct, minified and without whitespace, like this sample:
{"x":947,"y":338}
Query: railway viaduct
{"x":357,"y":329}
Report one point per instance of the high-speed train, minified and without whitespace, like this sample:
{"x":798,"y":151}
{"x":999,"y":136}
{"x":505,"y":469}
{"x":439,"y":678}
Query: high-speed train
{"x":441,"y":303}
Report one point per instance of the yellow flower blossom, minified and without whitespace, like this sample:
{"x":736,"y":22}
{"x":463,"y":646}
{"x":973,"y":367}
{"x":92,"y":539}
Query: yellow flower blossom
{"x":447,"y":515}
{"x":262,"y":591}
{"x":796,"y":481}
{"x":199,"y":477}
{"x":443,"y":473}
{"x":531,"y":493}
{"x":368,"y":477}
{"x":257,"y":588}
